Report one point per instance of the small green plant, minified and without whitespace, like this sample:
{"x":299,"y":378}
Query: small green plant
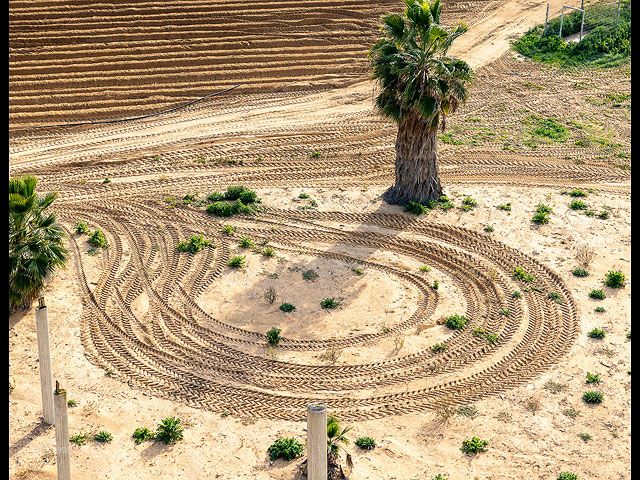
{"x":505,"y":311}
{"x":287,"y":307}
{"x":592,"y":397}
{"x":268,"y":252}
{"x":106,"y":180}
{"x":506,"y":207}
{"x":469,"y":203}
{"x":599,"y":309}
{"x":169,"y":430}
{"x":103,"y":436}
{"x":435,"y":285}
{"x":329,"y":303}
{"x":488,"y":228}
{"x":273,"y":335}
{"x":597,"y":333}
{"x":143,"y":433}
{"x":310,"y":275}
{"x":467,"y":411}
{"x":287,"y":448}
{"x":492,"y":338}
{"x":521,"y":275}
{"x":71,"y":403}
{"x":78,"y":439}
{"x":229,"y":229}
{"x":615,"y":279}
{"x":456,"y":322}
{"x":580,"y":272}
{"x":439,"y":347}
{"x":194,"y":244}
{"x":425,"y":268}
{"x":475,"y":445}
{"x":577,"y":193}
{"x":571,"y":412}
{"x":97,"y":239}
{"x":555,"y":296}
{"x":415,"y":207}
{"x":629,"y":334}
{"x":357,"y":271}
{"x":516,"y":294}
{"x":215,"y":197}
{"x":81,"y":227}
{"x":578,"y":205}
{"x":237,"y":261}
{"x":366,"y":443}
{"x":597,"y":294}
{"x":246,"y":242}
{"x":567,"y":476}
{"x":585,"y":436}
{"x":540,"y":218}
{"x":109,"y":372}
{"x":593,"y":378}
{"x":603,"y":215}
{"x":315,"y":155}
{"x":303,"y":195}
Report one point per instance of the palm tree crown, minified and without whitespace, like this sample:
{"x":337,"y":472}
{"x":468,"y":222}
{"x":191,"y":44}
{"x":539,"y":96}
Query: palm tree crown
{"x":415,"y":75}
{"x":35,"y":241}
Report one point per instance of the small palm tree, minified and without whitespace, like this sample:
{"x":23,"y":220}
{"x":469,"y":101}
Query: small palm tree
{"x":335,"y":436}
{"x":419,"y":85}
{"x":35,"y":241}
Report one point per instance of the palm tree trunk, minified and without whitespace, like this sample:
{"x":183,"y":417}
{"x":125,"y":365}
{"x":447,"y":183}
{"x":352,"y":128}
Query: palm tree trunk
{"x":416,"y":163}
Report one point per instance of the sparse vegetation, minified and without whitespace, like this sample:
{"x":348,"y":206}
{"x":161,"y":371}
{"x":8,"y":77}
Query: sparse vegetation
{"x":475,"y":445}
{"x":237,"y":261}
{"x":593,"y":378}
{"x":456,"y":322}
{"x":592,"y":397}
{"x":329,"y":303}
{"x":287,"y":307}
{"x":286,"y":448}
{"x":366,"y":443}
{"x":522,"y":275}
{"x":103,"y":436}
{"x":580,"y":272}
{"x":169,"y":430}
{"x":615,"y":279}
{"x":597,"y":333}
{"x":194,"y":244}
{"x":597,"y":294}
{"x":273,"y":335}
{"x":143,"y":433}
{"x":97,"y":239}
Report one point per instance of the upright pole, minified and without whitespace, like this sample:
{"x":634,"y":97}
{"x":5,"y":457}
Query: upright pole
{"x":62,"y":434}
{"x":582,"y":24}
{"x":618,"y":14}
{"x":316,"y":442}
{"x":44,"y":356}
{"x":546,"y":19}
{"x":561,"y":20}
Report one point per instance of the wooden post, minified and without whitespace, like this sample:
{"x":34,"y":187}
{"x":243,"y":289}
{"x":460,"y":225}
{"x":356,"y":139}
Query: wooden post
{"x":546,"y":19}
{"x":316,"y":442}
{"x":44,"y":356}
{"x":62,"y":434}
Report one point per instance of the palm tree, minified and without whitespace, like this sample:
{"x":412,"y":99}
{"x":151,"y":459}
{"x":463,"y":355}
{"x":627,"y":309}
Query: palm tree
{"x":419,"y":85}
{"x":35,"y":241}
{"x":336,"y":435}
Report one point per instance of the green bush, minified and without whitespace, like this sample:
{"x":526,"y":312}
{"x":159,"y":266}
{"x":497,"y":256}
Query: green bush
{"x":578,"y":205}
{"x":103,"y":436}
{"x":592,"y":397}
{"x":194,"y":244}
{"x":287,"y":307}
{"x":220,"y":209}
{"x":577,"y":193}
{"x":228,"y":229}
{"x":97,"y":239}
{"x":456,"y":322}
{"x":439,"y":347}
{"x":287,"y":448}
{"x":216,"y":197}
{"x":237,"y":261}
{"x":273,"y":335}
{"x":329,"y":303}
{"x":415,"y":207}
{"x":81,"y":227}
{"x":567,"y":476}
{"x":615,"y":279}
{"x":597,"y":333}
{"x":246,"y":242}
{"x":540,"y":218}
{"x":506,"y":207}
{"x":579,"y":272}
{"x":233,"y":193}
{"x":593,"y":378}
{"x":520,"y":274}
{"x":78,"y":438}
{"x":366,"y":443}
{"x":169,"y":430}
{"x":268,"y":252}
{"x":143,"y":433}
{"x":597,"y":294}
{"x":475,"y":445}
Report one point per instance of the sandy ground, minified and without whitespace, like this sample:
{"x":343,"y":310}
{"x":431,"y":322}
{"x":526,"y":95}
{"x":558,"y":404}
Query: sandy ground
{"x":531,"y":429}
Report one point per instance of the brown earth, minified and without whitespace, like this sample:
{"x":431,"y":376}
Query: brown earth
{"x":184,"y":334}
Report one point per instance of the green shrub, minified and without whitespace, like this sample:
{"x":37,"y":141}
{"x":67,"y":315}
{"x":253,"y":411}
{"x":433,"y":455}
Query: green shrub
{"x":492,"y":338}
{"x":475,"y":445}
{"x":456,"y":322}
{"x":273,"y":335}
{"x":516,"y":294}
{"x":329,"y":303}
{"x":488,"y":228}
{"x":228,"y":229}
{"x":540,"y":218}
{"x":238,"y":261}
{"x":287,"y":448}
{"x":303,"y":195}
{"x":268,"y":252}
{"x":246,"y":242}
{"x":505,"y":311}
{"x":435,"y":285}
{"x":194,"y":244}
{"x":366,"y":443}
{"x":506,"y":207}
{"x":415,"y":207}
{"x":310,"y":275}
{"x":597,"y":294}
{"x":216,"y":197}
{"x":469,"y":203}
{"x":169,"y":430}
{"x":578,"y":205}
{"x":577,"y":193}
{"x":103,"y":436}
{"x":81,"y":227}
{"x":425,"y":268}
{"x":603,"y":214}
{"x":234,"y":193}
{"x":592,"y":397}
{"x":248,"y":196}
{"x":71,"y":403}
{"x":106,"y":180}
{"x":78,"y":439}
{"x":597,"y":333}
{"x":287,"y":307}
{"x":220,"y":209}
{"x":439,"y":347}
{"x":615,"y":279}
{"x":599,"y":309}
{"x":555,"y":296}
{"x":143,"y":433}
{"x":567,"y":476}
{"x":580,"y":272}
{"x":97,"y":239}
{"x":593,"y":378}
{"x":520,"y":274}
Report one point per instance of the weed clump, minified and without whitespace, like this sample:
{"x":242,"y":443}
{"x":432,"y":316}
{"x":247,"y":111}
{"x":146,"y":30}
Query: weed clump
{"x":273,"y":335}
{"x":456,"y":322}
{"x":194,"y":244}
{"x":597,"y":333}
{"x":287,"y":448}
{"x":287,"y":307}
{"x":169,"y":430}
{"x":366,"y":443}
{"x":238,"y":261}
{"x":597,"y":294}
{"x":592,"y":397}
{"x":522,"y":275}
{"x":329,"y":303}
{"x":580,"y":272}
{"x":97,"y":239}
{"x":475,"y":445}
{"x":615,"y":279}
